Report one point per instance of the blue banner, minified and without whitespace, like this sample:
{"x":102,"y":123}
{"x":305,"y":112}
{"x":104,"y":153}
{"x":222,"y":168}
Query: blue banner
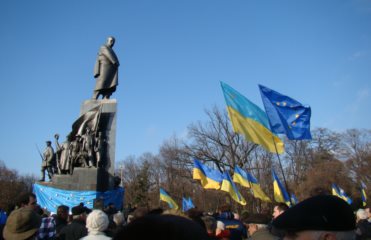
{"x":50,"y":198}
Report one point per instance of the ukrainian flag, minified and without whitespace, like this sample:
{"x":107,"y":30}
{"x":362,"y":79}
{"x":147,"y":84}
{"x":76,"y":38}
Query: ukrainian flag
{"x":247,"y":180}
{"x":248,"y":119}
{"x":229,"y":186}
{"x":339,"y":192}
{"x":210,"y":178}
{"x":279,"y":192}
{"x":363,"y":194}
{"x":166,"y":198}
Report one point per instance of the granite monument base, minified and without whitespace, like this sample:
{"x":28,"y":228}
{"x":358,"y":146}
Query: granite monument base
{"x":83,"y":179}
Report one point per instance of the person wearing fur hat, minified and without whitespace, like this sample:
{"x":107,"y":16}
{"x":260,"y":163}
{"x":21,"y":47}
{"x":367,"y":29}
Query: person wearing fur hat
{"x":96,"y":223}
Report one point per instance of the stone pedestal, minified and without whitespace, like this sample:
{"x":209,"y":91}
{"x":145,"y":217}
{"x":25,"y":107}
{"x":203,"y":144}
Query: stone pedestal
{"x":83,"y":179}
{"x":107,"y":125}
{"x":94,"y":179}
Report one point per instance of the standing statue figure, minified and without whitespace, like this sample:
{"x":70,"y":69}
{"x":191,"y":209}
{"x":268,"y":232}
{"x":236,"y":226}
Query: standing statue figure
{"x":87,"y":146}
{"x":63,"y":160}
{"x":106,"y":70}
{"x":99,"y":149}
{"x":74,"y":153}
{"x":47,"y":164}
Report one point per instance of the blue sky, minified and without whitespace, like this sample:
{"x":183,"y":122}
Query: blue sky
{"x":173,"y":55}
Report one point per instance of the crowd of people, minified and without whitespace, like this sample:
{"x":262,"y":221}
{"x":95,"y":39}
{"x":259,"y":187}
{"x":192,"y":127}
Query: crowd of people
{"x":318,"y":217}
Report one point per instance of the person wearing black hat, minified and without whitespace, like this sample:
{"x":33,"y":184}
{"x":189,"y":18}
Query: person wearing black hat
{"x":76,"y":229}
{"x":257,"y":227}
{"x":320,"y":217}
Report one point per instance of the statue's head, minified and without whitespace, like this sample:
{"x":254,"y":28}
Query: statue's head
{"x":110,"y":41}
{"x":48,"y":143}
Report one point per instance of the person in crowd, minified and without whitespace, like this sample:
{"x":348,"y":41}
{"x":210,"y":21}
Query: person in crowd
{"x":47,"y":230}
{"x":257,"y":227}
{"x":76,"y":229}
{"x":277,"y":210}
{"x":210,"y":224}
{"x":96,"y":223}
{"x":22,"y":223}
{"x":367,"y":209}
{"x":119,"y":221}
{"x":61,"y":219}
{"x":27,"y":200}
{"x":222,"y":233}
{"x":196,"y":215}
{"x":110,"y":209}
{"x":363,"y":230}
{"x":164,"y":227}
{"x":3,"y":218}
{"x":320,"y":217}
{"x":236,"y":228}
{"x":138,"y":213}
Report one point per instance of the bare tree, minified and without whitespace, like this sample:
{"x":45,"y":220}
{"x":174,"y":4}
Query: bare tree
{"x":357,"y":151}
{"x":215,"y":141}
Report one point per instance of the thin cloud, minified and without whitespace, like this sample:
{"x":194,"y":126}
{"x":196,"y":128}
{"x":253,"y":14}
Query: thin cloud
{"x":357,"y":55}
{"x":362,"y":96}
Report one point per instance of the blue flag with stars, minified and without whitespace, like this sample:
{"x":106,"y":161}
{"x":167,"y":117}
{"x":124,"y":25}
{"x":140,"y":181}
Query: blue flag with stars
{"x":286,"y":115}
{"x":187,"y":204}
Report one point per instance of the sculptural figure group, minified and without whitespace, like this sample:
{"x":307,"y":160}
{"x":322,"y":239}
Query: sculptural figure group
{"x":87,"y":151}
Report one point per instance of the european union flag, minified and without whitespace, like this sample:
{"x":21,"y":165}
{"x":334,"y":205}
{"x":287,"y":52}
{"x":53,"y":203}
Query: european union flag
{"x":286,"y":115}
{"x":187,"y":204}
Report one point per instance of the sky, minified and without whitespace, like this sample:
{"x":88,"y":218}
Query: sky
{"x":173,"y":55}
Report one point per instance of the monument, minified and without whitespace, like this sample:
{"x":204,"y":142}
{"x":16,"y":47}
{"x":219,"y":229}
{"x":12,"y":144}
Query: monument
{"x":85,"y":160}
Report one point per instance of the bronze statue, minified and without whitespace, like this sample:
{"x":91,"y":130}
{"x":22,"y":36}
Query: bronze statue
{"x":63,"y":159}
{"x":99,"y":149}
{"x":47,"y":164}
{"x":87,"y":147}
{"x":106,"y":70}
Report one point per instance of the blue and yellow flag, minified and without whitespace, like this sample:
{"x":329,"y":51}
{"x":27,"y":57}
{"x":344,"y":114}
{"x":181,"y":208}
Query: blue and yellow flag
{"x":339,"y":192}
{"x":279,"y":192}
{"x":286,"y":115}
{"x":229,"y":186}
{"x":363,"y":194}
{"x":249,"y":120}
{"x":210,"y":178}
{"x":187,"y":204}
{"x":246,"y":179}
{"x":166,"y":198}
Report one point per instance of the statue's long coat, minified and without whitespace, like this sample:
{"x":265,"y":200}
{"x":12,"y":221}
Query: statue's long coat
{"x":106,"y":70}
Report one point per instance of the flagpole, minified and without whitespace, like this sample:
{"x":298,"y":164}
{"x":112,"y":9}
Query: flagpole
{"x":283,"y":173}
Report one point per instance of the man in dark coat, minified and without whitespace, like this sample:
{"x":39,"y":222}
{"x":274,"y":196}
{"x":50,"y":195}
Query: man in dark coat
{"x":76,"y":229}
{"x":106,"y":70}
